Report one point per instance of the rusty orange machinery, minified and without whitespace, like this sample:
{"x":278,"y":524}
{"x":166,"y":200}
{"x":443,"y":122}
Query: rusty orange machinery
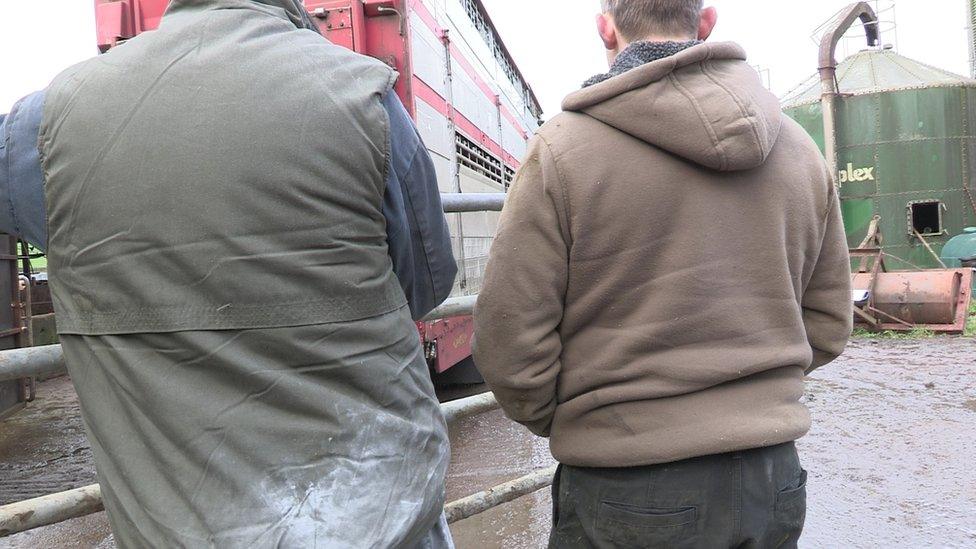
{"x":936,"y":300}
{"x":931,"y":299}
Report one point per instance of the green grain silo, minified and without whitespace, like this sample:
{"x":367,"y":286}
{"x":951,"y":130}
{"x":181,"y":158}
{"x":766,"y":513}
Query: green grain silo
{"x":906,"y":150}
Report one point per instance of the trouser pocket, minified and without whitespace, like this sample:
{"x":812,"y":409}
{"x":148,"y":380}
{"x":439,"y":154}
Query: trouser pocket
{"x":790,"y":513}
{"x":626,"y":526}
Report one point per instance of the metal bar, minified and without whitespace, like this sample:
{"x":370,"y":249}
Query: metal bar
{"x":80,"y":502}
{"x":455,"y":306}
{"x":472,"y":202}
{"x":31,"y":362}
{"x":890,"y":317}
{"x":11,"y":332}
{"x":52,"y":509}
{"x":919,"y":236}
{"x":503,"y":493}
{"x":870,"y":320}
{"x":49,"y":359}
{"x":828,"y":69}
{"x":470,"y":406}
{"x":27,"y":307}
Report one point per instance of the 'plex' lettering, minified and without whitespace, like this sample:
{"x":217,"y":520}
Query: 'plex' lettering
{"x":856,"y":175}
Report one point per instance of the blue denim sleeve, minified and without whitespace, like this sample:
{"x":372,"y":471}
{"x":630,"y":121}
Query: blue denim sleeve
{"x":22,"y":209}
{"x":417,"y":232}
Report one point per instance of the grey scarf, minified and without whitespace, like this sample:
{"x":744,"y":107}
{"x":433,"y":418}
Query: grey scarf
{"x":638,"y":54}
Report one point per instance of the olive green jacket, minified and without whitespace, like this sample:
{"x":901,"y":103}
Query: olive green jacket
{"x":249,"y":373}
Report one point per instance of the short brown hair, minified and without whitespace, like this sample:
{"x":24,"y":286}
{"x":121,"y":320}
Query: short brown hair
{"x":639,"y":18}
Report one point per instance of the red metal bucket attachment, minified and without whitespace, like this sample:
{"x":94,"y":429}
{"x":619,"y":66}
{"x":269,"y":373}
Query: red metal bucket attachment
{"x":936,"y":300}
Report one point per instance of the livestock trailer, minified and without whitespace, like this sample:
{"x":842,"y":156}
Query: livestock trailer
{"x":472,"y":106}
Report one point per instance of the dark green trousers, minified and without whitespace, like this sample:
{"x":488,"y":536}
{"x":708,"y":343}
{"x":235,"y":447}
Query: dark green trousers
{"x":750,"y":499}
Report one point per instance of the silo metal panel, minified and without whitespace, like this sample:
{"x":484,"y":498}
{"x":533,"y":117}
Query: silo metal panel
{"x":906,"y":251}
{"x":860,"y":159}
{"x":916,"y":167}
{"x":810,"y":117}
{"x":857,"y":121}
{"x":920,"y":114}
{"x":857,"y":214}
{"x":957,"y":215}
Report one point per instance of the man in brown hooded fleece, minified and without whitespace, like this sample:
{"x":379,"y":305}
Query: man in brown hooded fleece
{"x":670,"y":264}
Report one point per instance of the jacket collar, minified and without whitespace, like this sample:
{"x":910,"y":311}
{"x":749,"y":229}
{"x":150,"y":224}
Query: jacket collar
{"x":638,"y":54}
{"x":651,"y":72}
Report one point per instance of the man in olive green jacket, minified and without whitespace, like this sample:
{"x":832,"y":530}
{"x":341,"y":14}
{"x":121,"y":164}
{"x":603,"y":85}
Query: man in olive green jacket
{"x":669,"y":266}
{"x":233,"y":271}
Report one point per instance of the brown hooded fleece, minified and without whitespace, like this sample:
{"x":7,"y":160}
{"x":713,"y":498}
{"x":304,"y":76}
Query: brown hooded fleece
{"x":670,"y":263}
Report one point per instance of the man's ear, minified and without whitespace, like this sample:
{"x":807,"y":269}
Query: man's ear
{"x":608,"y":31}
{"x":709,"y":17}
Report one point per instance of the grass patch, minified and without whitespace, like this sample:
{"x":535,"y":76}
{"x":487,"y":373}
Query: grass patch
{"x":917,"y":333}
{"x":971,"y":321}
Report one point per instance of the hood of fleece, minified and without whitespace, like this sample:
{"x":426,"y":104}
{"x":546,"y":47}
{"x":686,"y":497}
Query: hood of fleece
{"x":292,"y":10}
{"x":705,"y":104}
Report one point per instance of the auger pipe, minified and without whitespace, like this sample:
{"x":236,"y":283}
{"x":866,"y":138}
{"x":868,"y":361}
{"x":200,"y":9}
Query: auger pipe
{"x":828,"y":68}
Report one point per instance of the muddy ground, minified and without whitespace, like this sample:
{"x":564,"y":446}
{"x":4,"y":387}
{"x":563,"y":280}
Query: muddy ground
{"x":892,"y":456}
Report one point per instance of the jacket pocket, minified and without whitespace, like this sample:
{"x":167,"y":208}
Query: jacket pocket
{"x":627,"y":526}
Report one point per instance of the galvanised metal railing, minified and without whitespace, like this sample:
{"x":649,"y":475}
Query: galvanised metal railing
{"x":49,"y":360}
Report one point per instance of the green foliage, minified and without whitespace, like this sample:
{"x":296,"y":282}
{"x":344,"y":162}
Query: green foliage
{"x":38,"y":259}
{"x":971,"y":321}
{"x":917,"y":333}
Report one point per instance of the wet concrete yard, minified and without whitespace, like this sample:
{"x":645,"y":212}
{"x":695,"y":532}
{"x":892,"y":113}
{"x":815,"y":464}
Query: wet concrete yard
{"x":891,"y":457}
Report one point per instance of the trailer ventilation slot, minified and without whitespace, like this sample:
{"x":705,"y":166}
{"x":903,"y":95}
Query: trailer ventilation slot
{"x":925,"y":218}
{"x":473,"y":156}
{"x":509,"y":176}
{"x":488,"y":33}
